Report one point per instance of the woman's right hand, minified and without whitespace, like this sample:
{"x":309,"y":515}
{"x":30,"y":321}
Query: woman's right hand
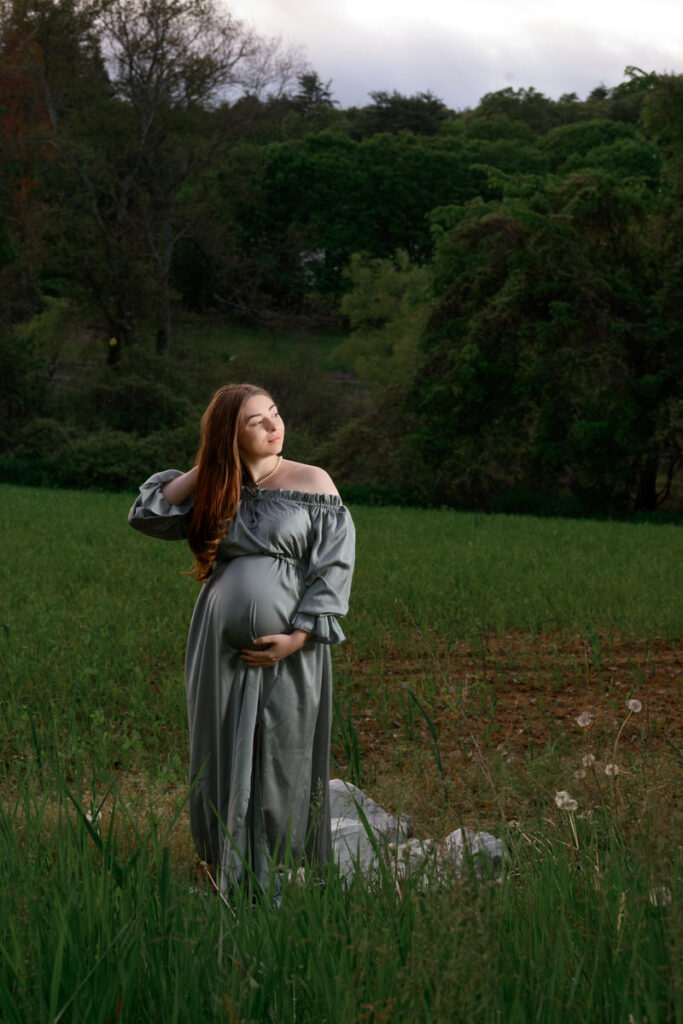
{"x":274,"y":648}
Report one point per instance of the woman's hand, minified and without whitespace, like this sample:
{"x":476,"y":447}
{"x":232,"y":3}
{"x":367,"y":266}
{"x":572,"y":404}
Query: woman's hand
{"x":280,"y":645}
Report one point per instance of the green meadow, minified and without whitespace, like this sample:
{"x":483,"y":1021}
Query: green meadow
{"x":104,"y":915}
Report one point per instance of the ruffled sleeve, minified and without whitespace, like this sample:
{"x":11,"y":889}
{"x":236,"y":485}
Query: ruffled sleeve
{"x":328,"y":579}
{"x":152,"y":515}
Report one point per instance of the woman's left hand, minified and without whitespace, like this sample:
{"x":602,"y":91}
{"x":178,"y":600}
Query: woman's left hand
{"x":280,"y":645}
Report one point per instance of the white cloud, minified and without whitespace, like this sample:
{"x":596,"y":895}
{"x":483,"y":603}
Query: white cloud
{"x":461,"y":51}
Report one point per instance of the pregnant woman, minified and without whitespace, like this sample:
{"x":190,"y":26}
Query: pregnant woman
{"x":274,"y":550}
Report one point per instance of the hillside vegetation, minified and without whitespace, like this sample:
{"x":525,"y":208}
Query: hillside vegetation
{"x":501,"y":284}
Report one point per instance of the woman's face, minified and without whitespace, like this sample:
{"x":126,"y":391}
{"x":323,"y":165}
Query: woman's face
{"x":261,"y":432}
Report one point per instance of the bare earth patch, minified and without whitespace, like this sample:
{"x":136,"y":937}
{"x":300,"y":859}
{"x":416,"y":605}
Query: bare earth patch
{"x":478,"y":728}
{"x":476,"y":732}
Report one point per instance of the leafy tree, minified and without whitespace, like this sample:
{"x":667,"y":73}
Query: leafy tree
{"x":127,"y":88}
{"x":548,"y":354}
{"x":577,"y":140}
{"x":624,"y":101}
{"x":526,"y":105}
{"x":630,"y":158}
{"x":27,"y":150}
{"x":662,"y":120}
{"x":325,"y":197}
{"x":312,"y":92}
{"x":388,"y":307}
{"x":422,"y":114}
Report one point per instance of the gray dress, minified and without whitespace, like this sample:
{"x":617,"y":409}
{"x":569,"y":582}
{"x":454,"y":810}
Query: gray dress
{"x":260,"y":737}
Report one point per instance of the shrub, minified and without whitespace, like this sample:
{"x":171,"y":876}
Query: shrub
{"x":113,"y":460}
{"x":126,"y":404}
{"x":109,"y":460}
{"x":42,"y":438}
{"x":23,"y":383}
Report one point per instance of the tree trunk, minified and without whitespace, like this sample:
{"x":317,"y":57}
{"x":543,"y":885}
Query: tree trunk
{"x":646,"y":495}
{"x":164,"y":331}
{"x":163,"y":262}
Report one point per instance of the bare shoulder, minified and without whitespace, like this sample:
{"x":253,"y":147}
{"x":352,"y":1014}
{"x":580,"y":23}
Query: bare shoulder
{"x":298,"y":476}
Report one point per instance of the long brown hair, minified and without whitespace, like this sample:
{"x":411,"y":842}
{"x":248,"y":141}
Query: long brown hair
{"x":219,"y":475}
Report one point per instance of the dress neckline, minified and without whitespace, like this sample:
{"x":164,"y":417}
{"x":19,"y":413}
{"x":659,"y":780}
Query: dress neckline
{"x":299,"y":497}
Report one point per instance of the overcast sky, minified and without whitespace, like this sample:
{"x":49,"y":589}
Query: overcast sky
{"x":461,"y":50}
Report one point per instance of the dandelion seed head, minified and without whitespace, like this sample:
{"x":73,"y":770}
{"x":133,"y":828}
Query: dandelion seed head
{"x":612,"y":770}
{"x":587,"y":760}
{"x":660,"y":896}
{"x":580,"y":773}
{"x":564,"y":801}
{"x":584,"y":719}
{"x":635,"y":706}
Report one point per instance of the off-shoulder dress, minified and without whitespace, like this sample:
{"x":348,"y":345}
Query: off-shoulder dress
{"x":260,"y":737}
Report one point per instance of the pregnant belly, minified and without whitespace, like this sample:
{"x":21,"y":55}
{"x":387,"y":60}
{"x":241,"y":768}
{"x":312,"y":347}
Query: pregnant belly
{"x":254,"y":596}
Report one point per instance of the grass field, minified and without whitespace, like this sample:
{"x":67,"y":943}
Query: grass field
{"x":475,"y":643}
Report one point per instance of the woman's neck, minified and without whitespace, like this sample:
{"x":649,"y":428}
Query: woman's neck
{"x":257,"y":471}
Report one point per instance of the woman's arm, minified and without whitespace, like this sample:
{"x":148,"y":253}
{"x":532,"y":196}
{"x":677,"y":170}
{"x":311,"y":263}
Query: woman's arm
{"x":176,"y":491}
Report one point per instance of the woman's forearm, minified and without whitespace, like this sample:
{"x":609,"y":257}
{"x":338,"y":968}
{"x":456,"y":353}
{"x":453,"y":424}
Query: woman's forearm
{"x":176,"y":491}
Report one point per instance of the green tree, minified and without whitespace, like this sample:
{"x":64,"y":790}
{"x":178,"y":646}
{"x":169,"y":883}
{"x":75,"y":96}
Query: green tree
{"x":388,"y":307}
{"x":548,"y":352}
{"x":525,"y":105}
{"x":577,"y":140}
{"x":325,"y":197}
{"x":128,"y":88}
{"x":662,"y":121}
{"x":422,"y":114}
{"x":27,"y":150}
{"x":312,"y":93}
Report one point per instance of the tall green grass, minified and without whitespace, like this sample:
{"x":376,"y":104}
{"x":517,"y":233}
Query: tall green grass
{"x":457,"y":571}
{"x":92,"y":932}
{"x":93,"y":616}
{"x":106,"y":921}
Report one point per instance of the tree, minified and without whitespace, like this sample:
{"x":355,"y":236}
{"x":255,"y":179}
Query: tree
{"x":549,"y":353}
{"x":527,"y":105}
{"x":312,"y":93}
{"x":27,"y":151}
{"x":325,"y":197}
{"x":662,"y":121}
{"x":423,"y":114}
{"x":133,"y":128}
